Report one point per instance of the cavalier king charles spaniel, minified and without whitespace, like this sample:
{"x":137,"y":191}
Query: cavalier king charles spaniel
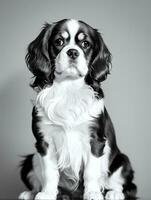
{"x":77,"y":152}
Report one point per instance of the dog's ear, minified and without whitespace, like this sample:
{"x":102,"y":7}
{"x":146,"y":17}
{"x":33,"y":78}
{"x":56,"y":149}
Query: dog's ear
{"x":101,"y":63}
{"x":37,"y":57}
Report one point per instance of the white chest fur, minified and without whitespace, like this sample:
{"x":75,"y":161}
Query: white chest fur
{"x":69,"y":103}
{"x":67,"y":110}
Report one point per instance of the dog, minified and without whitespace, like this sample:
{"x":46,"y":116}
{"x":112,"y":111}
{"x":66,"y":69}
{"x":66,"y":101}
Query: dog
{"x":76,"y":149}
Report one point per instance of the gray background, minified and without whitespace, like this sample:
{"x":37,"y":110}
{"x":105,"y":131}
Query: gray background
{"x":126,"y":30}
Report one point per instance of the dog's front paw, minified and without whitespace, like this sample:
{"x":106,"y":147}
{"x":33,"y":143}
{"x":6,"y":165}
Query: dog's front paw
{"x":44,"y":196}
{"x":114,"y":195}
{"x":26,"y":195}
{"x":93,"y":195}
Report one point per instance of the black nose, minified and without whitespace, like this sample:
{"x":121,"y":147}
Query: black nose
{"x":73,"y":53}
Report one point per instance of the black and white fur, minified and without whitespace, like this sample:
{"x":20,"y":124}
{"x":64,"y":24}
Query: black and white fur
{"x":75,"y":139}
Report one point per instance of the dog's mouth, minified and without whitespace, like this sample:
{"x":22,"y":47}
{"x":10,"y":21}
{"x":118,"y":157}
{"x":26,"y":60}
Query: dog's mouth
{"x":69,"y":69}
{"x":59,"y":73}
{"x":70,"y":72}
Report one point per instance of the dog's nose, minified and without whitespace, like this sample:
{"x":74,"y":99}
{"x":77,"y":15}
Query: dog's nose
{"x":73,"y":53}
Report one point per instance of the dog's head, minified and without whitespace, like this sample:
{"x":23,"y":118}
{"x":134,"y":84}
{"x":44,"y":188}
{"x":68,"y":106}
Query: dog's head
{"x":68,"y":49}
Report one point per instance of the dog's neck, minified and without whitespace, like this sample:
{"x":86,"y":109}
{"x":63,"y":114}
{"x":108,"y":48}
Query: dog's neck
{"x":69,"y":102}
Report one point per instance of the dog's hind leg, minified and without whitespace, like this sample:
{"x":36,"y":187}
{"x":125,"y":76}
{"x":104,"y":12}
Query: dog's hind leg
{"x":120,"y":185}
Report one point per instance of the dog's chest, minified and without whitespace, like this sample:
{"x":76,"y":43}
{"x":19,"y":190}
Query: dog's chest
{"x":67,"y":111}
{"x":69,"y":104}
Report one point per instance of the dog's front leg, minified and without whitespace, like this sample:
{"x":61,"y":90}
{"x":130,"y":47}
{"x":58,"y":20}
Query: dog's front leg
{"x":50,"y":175}
{"x":92,"y":177}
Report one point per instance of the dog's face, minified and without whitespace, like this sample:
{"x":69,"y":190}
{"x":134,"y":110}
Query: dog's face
{"x":68,"y":49}
{"x":72,"y":44}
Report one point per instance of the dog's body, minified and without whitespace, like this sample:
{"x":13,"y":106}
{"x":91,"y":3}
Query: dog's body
{"x":75,"y":139}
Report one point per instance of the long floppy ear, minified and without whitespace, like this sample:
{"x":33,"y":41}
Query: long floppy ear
{"x":37,"y":58}
{"x":101,"y":63}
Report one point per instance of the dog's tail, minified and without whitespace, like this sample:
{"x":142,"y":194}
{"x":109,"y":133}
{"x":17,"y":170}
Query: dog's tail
{"x":26,"y":167}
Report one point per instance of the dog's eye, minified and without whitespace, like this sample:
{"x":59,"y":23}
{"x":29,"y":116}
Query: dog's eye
{"x":59,"y":42}
{"x":85,"y":44}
